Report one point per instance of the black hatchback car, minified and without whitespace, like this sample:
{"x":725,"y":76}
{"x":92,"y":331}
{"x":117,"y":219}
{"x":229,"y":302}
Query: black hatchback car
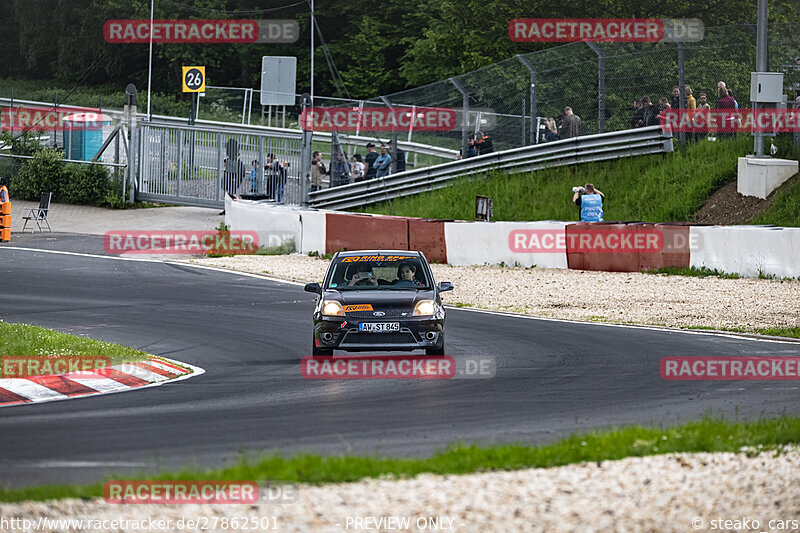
{"x":381,"y":301}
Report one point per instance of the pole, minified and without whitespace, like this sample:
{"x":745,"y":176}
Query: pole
{"x":465,"y":116}
{"x":601,"y":86}
{"x":312,"y":52}
{"x":762,"y":65}
{"x":305,"y":158}
{"x":532,"y":70}
{"x":150,"y":62}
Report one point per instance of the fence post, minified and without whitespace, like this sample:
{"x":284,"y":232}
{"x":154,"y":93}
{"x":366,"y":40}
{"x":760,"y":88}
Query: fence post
{"x":305,"y":157}
{"x":681,"y":74}
{"x":601,"y":86}
{"x":465,"y":113}
{"x":394,"y":136}
{"x":532,"y":70}
{"x":178,"y":190}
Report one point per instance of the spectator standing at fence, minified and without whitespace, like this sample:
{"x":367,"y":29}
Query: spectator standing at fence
{"x":318,"y":171}
{"x":675,"y":103}
{"x":550,"y":130}
{"x":735,"y":103}
{"x":649,"y":112}
{"x":383,"y":165}
{"x":234,"y":170}
{"x":691,"y":103}
{"x":273,"y":168}
{"x":283,"y":174}
{"x":663,"y":107}
{"x":471,"y":152}
{"x":638,"y":114}
{"x":357,"y":172}
{"x":342,"y":169}
{"x":571,"y":126}
{"x":483,"y":143}
{"x":700,"y":119}
{"x":401,"y":158}
{"x":369,"y":162}
{"x":726,"y":102}
{"x":590,"y":203}
{"x":253,"y":177}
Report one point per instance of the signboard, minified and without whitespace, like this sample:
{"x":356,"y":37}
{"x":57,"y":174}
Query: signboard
{"x":278,"y":80}
{"x":194,"y":79}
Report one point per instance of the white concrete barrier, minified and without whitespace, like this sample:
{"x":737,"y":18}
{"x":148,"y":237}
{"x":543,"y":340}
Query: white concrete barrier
{"x":273,"y":224}
{"x":747,"y":250}
{"x":477,"y":243}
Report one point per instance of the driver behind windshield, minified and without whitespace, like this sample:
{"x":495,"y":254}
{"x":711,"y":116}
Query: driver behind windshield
{"x":405,"y":275}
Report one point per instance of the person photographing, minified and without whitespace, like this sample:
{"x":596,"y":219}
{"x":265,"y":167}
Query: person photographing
{"x":590,"y":203}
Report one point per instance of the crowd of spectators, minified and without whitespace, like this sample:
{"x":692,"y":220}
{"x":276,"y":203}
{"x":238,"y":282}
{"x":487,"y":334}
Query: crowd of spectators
{"x":375,"y":164}
{"x":564,"y":126}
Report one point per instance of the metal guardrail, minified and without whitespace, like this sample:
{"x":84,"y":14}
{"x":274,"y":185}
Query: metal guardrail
{"x":589,"y":148}
{"x":231,"y":128}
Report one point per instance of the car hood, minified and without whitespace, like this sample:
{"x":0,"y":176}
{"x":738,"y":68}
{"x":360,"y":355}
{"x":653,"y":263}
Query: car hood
{"x":380,"y":298}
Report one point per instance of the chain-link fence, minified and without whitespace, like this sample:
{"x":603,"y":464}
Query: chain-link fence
{"x":599,"y":81}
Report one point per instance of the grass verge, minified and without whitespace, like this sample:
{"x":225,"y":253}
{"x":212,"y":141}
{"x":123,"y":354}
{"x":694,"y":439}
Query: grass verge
{"x":24,"y":339}
{"x":655,"y":188}
{"x":706,"y":435}
{"x":702,"y":272}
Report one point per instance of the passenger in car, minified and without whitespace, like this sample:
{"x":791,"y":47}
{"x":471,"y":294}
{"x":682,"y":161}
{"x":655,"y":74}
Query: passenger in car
{"x":363,"y":276}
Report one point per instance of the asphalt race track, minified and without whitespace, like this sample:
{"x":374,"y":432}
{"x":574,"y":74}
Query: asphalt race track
{"x":248,"y":333}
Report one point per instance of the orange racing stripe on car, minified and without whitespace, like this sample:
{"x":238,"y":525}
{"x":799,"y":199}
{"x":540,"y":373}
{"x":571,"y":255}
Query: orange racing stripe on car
{"x":357,"y":307}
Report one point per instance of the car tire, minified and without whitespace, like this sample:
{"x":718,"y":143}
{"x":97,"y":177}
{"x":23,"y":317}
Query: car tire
{"x":320,"y":352}
{"x":435,"y":351}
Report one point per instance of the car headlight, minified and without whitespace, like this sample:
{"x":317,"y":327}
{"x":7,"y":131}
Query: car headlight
{"x":332,"y":308}
{"x":425,"y":308}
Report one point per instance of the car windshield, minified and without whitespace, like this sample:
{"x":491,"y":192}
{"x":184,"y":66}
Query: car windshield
{"x":378,"y":272}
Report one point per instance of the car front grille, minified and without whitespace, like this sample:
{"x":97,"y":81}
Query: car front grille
{"x":389,"y":313}
{"x":400,"y":337}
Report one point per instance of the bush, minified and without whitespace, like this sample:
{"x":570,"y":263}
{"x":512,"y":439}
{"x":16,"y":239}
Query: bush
{"x":86,"y":184}
{"x":43,"y":173}
{"x":74,"y":183}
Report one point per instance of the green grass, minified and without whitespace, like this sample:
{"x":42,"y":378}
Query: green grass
{"x":706,"y":435}
{"x":23,"y":339}
{"x":657,"y":188}
{"x":784,"y":210}
{"x":780,"y":332}
{"x":285,"y":248}
{"x":701,"y":272}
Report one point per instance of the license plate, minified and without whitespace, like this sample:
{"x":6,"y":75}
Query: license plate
{"x":378,"y":327}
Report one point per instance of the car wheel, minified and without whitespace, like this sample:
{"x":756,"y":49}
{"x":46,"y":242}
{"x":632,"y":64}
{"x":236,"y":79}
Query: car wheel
{"x":435,"y":351}
{"x":320,"y":352}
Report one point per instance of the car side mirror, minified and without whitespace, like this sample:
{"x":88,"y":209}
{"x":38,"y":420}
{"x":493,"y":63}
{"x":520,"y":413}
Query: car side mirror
{"x":445,"y":286}
{"x":313,"y":287}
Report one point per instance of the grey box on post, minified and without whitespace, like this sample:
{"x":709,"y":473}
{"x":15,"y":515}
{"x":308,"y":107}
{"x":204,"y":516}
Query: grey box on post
{"x":766,"y":87}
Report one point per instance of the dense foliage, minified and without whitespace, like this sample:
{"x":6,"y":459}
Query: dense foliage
{"x":378,"y":47}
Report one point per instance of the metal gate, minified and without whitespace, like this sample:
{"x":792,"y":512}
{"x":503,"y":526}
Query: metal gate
{"x":197,"y":165}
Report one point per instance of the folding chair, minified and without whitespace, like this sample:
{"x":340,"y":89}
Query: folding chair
{"x":39,"y":215}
